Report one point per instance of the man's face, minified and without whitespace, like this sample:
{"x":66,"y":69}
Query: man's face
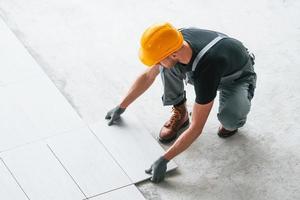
{"x":168,"y":62}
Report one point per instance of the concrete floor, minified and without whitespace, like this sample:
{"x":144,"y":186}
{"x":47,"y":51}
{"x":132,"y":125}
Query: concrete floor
{"x":89,"y":49}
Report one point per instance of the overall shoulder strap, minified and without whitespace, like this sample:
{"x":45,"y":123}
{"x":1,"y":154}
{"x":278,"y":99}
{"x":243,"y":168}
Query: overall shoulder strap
{"x":205,"y":49}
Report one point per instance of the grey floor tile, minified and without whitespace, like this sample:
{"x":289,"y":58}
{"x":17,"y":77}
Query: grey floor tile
{"x":40,"y":174}
{"x":9,"y":188}
{"x":131,"y":145}
{"x":32,"y":110}
{"x":125,"y":193}
{"x":88,"y":162}
{"x":16,"y":63}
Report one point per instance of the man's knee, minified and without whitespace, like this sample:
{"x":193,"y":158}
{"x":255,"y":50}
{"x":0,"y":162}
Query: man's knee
{"x":232,"y":119}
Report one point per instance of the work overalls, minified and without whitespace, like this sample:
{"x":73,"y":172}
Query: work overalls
{"x":235,"y":90}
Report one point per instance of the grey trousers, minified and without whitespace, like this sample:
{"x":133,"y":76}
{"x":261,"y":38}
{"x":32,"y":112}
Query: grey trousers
{"x":234,"y":95}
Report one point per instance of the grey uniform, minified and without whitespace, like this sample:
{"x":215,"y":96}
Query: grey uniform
{"x":226,"y":67}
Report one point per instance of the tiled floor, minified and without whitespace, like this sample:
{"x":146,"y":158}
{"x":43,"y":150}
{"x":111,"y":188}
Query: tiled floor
{"x":16,"y":63}
{"x":9,"y":187}
{"x":132,"y":147}
{"x":40,"y":174}
{"x":32,"y":110}
{"x":89,"y":163}
{"x":125,"y":193}
{"x":47,"y":152}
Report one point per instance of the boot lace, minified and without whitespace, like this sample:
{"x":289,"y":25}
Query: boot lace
{"x":175,"y":117}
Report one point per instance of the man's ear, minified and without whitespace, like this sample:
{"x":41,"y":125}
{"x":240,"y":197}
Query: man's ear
{"x":174,"y":55}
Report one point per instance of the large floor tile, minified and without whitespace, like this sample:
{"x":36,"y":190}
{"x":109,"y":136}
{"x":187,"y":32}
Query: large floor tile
{"x":32,"y":110}
{"x":125,"y":193}
{"x":10,"y":190}
{"x":40,"y":174}
{"x":131,"y":145}
{"x":88,"y":162}
{"x":16,"y":64}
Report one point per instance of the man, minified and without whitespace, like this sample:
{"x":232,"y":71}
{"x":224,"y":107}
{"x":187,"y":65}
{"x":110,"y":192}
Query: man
{"x":210,"y":61}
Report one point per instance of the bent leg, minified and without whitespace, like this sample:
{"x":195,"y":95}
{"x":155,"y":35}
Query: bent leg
{"x":172,"y":80}
{"x":235,"y":103}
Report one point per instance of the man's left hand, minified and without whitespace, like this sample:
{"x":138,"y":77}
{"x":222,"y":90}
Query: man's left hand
{"x":158,"y":170}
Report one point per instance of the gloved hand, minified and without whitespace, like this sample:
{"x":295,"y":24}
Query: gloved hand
{"x":114,"y":114}
{"x":158,"y":170}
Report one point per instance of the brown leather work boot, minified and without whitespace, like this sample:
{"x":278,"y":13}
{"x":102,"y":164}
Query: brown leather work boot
{"x":178,"y":120}
{"x":223,"y":133}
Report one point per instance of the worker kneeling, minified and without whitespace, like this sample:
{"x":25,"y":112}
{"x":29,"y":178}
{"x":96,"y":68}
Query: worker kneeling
{"x":211,"y":62}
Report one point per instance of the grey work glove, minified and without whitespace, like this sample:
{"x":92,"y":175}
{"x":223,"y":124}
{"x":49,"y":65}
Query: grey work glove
{"x":158,"y":170}
{"x":114,"y":114}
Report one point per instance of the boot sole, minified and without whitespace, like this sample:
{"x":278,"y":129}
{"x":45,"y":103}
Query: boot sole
{"x":227,"y":135}
{"x":165,"y":141}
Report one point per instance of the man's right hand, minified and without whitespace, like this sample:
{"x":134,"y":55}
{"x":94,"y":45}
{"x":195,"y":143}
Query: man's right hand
{"x":114,"y":114}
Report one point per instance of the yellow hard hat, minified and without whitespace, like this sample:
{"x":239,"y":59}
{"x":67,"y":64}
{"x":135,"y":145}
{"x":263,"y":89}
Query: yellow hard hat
{"x":158,"y":42}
